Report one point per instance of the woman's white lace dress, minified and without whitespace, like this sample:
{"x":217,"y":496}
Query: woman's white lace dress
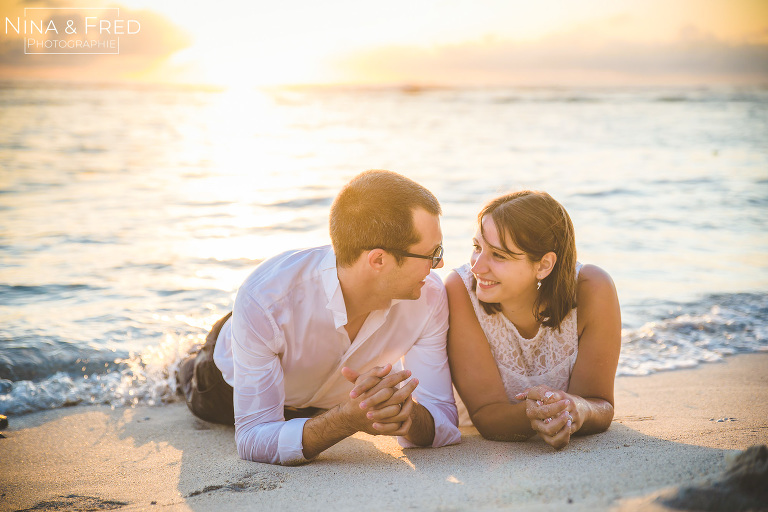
{"x":547,"y":358}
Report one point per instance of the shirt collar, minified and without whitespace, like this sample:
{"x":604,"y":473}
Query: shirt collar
{"x":333,"y":289}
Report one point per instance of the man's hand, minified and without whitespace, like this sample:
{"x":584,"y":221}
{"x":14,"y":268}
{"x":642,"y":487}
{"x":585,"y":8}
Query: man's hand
{"x":389,"y":408}
{"x":386,"y":409}
{"x":374,"y":387}
{"x":376,"y":406}
{"x":392,"y":410}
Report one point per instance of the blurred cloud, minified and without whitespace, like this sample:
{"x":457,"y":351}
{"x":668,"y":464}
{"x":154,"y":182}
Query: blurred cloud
{"x":140,"y":53}
{"x":429,"y":42}
{"x":574,"y":57}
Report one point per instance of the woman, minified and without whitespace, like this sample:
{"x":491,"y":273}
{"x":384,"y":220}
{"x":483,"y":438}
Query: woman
{"x":524,"y":358}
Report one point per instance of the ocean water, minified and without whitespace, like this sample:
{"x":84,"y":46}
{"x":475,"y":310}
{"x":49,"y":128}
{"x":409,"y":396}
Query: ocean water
{"x":130,"y":215}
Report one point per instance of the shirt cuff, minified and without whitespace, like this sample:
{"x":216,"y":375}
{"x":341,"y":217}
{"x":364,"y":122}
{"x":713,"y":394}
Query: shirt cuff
{"x":290,"y":448}
{"x":446,"y":431}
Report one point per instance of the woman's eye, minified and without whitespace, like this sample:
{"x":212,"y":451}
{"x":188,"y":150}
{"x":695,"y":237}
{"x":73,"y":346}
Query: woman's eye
{"x":498,"y":256}
{"x":476,"y":248}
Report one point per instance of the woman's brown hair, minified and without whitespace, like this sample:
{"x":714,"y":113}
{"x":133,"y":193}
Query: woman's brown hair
{"x":537,"y":224}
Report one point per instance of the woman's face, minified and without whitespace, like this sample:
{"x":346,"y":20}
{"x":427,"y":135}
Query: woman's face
{"x":501,"y":277}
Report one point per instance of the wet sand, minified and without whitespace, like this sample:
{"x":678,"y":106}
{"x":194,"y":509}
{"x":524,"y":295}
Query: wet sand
{"x":671,"y":430}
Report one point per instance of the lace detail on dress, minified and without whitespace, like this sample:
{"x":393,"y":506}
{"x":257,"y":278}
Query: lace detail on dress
{"x":547,"y":358}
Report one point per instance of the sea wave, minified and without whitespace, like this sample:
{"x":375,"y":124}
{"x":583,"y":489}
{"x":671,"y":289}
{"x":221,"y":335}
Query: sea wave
{"x":698,"y":332}
{"x":729,"y":324}
{"x":148,"y":378}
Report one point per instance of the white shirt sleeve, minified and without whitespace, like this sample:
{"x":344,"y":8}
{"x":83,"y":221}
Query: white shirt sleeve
{"x":428,"y":362}
{"x":261,"y":432}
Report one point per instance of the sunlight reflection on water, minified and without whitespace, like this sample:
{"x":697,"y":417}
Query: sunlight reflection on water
{"x":129,"y":215}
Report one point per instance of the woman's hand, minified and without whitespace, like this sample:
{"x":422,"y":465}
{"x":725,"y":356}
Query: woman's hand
{"x":554,"y":415}
{"x":587,"y":407}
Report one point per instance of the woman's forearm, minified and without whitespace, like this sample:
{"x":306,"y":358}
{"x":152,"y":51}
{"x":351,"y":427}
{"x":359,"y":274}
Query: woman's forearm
{"x":597,"y":414}
{"x":503,"y":422}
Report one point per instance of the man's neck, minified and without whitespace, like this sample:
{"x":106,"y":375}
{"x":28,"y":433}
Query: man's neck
{"x":360,"y":294}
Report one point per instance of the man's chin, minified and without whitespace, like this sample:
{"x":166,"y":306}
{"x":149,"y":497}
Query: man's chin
{"x":414,"y":295}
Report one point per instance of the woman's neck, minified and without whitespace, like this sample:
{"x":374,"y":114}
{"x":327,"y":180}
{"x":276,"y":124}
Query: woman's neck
{"x":520,"y":313}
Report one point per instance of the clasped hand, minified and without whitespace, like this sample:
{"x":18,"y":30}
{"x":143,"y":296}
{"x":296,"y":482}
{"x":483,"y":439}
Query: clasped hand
{"x":553,"y":414}
{"x":376,"y":404}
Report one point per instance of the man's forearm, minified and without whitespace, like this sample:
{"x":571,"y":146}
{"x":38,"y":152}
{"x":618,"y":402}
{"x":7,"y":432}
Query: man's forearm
{"x":422,"y":431}
{"x":322,"y":432}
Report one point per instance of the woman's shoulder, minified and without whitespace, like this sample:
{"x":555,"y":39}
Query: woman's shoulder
{"x":595,"y":293}
{"x":459,"y":277}
{"x":463,"y":271}
{"x":593,"y":278}
{"x":454,"y":283}
{"x":461,"y":297}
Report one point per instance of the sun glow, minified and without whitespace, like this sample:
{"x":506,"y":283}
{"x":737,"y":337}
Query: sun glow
{"x":217,"y":64}
{"x":450,"y":42}
{"x":235,"y":151}
{"x":238,"y":43}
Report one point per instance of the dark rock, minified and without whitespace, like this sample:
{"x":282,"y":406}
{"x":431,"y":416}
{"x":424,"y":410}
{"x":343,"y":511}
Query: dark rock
{"x":75,"y":502}
{"x":3,"y":422}
{"x":5,"y":386}
{"x":742,"y":487}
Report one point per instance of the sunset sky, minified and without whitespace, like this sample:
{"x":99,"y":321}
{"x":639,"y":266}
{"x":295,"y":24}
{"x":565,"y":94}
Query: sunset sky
{"x":421,"y":42}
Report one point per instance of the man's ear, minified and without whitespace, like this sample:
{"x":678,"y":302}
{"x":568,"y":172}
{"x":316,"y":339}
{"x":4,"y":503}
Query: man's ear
{"x":545,"y":265}
{"x":376,"y":259}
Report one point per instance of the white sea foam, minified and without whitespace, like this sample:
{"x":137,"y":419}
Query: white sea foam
{"x":134,"y":221}
{"x":147,"y":378}
{"x":733,"y":324}
{"x":729,"y":324}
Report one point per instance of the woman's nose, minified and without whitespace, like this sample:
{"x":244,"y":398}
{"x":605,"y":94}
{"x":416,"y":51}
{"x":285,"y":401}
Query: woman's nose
{"x":477,"y":262}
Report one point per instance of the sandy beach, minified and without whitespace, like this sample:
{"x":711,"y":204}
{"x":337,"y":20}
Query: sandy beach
{"x":670,"y":430}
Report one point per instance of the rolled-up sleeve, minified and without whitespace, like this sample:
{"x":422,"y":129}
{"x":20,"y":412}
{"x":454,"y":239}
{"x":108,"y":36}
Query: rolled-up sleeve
{"x":428,"y":361}
{"x":261,"y":432}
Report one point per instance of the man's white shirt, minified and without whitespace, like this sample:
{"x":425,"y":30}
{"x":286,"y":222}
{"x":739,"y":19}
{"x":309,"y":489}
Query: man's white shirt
{"x":285,"y":345}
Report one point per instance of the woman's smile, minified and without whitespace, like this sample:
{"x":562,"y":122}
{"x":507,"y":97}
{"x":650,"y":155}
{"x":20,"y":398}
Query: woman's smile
{"x":485,"y":283}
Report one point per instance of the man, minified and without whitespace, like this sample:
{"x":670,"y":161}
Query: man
{"x":313,"y":332}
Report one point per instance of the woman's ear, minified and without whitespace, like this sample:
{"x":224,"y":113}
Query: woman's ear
{"x":545,"y":265}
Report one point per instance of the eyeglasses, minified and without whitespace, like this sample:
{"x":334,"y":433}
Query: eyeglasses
{"x":436,"y":256}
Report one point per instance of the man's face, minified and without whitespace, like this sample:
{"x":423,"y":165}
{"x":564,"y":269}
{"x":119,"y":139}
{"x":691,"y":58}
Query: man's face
{"x":405,"y":282}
